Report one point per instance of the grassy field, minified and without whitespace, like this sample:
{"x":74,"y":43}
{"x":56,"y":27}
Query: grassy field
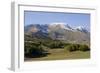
{"x":61,"y":54}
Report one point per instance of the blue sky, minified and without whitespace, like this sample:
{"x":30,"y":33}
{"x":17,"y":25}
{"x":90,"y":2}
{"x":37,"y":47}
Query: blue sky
{"x":73,"y":19}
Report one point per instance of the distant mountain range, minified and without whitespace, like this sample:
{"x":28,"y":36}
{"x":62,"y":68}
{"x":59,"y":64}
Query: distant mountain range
{"x":58,"y":31}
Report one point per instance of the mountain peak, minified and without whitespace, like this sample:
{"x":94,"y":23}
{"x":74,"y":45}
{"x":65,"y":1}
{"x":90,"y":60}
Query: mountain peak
{"x":82,"y":29}
{"x":54,"y":26}
{"x":61,"y":26}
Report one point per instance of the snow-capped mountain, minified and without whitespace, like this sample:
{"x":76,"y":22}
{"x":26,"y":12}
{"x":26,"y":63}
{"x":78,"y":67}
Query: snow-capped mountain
{"x":60,"y":26}
{"x":82,"y":29}
{"x":45,"y":28}
{"x":66,"y":27}
{"x":57,"y":31}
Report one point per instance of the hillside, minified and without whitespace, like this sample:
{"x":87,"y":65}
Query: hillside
{"x":55,"y":31}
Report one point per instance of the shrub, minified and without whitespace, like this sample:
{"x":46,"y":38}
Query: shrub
{"x":34,"y":50}
{"x":72,"y":47}
{"x":84,"y":48}
{"x":77,"y":47}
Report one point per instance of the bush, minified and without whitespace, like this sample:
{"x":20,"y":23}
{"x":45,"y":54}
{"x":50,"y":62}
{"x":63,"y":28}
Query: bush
{"x":84,"y":48}
{"x":77,"y":47}
{"x":72,"y":47}
{"x":34,"y":50}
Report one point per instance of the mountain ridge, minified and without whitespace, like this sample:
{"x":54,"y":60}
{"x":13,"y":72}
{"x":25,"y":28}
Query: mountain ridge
{"x":61,"y":31}
{"x":44,"y":27}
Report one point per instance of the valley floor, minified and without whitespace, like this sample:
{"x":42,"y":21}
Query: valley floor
{"x":61,"y":54}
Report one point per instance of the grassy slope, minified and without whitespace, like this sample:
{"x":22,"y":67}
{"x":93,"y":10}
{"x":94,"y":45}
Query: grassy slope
{"x":57,"y":54}
{"x":61,"y":54}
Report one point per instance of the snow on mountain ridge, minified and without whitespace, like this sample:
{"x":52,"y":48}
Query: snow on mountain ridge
{"x":47,"y":27}
{"x":81,"y":28}
{"x":68,"y":27}
{"x":61,"y":25}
